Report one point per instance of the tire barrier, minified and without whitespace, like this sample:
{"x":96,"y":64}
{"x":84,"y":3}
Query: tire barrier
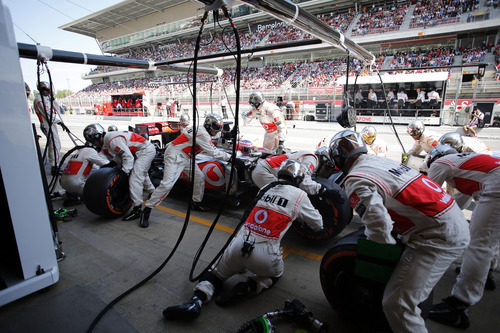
{"x":106,"y":193}
{"x":336,"y":216}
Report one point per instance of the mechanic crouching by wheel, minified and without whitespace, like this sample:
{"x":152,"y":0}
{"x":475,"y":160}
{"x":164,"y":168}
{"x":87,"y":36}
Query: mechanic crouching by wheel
{"x":74,"y":175}
{"x":397,"y":203}
{"x":135,"y":155}
{"x":271,"y":119}
{"x":178,"y":156}
{"x":478,"y":176}
{"x":256,"y":247}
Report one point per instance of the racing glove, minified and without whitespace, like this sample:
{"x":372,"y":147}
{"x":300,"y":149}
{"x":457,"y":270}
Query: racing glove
{"x":64,"y":127}
{"x":331,"y":194}
{"x":404,"y":158}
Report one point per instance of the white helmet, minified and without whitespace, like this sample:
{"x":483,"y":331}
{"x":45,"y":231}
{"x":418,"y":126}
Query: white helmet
{"x":112,"y":128}
{"x":184,"y":120}
{"x":416,"y":128}
{"x":256,"y":98}
{"x":453,"y":139}
{"x":344,"y":146}
{"x":369,"y":133}
{"x":292,"y":171}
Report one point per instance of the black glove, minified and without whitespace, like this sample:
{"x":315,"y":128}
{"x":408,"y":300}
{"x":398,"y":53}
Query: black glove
{"x":111,"y":164}
{"x":234,"y":133}
{"x":281,"y":148}
{"x":64,"y":127}
{"x":332,"y":194}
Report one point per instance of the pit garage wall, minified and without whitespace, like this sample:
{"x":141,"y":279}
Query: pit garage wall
{"x":25,"y":216}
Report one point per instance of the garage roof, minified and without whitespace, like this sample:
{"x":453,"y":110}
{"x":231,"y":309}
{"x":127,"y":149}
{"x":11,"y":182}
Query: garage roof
{"x":118,"y":14}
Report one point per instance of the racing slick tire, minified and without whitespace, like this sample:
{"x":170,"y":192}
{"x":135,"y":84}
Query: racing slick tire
{"x":106,"y":193}
{"x":336,"y":215}
{"x":351,"y":296}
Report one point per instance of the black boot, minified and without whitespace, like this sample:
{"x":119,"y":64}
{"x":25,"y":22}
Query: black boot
{"x":199,"y":207}
{"x":135,"y":213}
{"x":490,"y":282}
{"x":451,"y":312}
{"x":236,"y":293}
{"x":187,"y":311}
{"x":144,"y":223}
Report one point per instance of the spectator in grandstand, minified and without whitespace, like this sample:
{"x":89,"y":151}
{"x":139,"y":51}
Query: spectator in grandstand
{"x":419,"y":100}
{"x":476,"y":119}
{"x":271,"y":118}
{"x":372,"y":99}
{"x":402,"y":98}
{"x":433,"y":97}
{"x":390,"y":97}
{"x":177,"y":157}
{"x":359,"y":100}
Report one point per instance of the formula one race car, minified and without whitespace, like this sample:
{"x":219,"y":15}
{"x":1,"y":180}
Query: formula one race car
{"x":106,"y":190}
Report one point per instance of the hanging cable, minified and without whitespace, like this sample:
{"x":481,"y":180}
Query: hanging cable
{"x":389,"y":112}
{"x":162,"y":265}
{"x":236,"y":125}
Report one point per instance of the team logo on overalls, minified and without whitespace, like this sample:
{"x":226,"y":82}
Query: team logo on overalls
{"x":260,"y":216}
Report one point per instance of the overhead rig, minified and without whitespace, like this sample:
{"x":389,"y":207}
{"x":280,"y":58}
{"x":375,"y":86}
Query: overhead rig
{"x":290,"y":12}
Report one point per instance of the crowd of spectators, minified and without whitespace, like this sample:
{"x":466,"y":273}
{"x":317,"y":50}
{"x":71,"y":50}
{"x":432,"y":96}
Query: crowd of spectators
{"x":383,"y":18}
{"x":473,"y":55}
{"x":431,"y":12}
{"x":423,"y":58}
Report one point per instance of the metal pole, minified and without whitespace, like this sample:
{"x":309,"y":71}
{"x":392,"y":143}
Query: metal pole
{"x":31,"y":51}
{"x":290,"y":12}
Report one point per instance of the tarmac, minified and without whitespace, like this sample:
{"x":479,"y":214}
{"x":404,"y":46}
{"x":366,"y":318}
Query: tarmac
{"x":105,"y":257}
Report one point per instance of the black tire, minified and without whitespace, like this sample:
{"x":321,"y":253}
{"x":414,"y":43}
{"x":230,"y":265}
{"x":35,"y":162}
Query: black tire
{"x":351,"y":296}
{"x":106,"y":193}
{"x":336,"y":216}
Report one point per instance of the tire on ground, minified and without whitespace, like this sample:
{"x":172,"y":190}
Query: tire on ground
{"x":354,"y":297}
{"x":335,"y":215}
{"x":106,"y":193}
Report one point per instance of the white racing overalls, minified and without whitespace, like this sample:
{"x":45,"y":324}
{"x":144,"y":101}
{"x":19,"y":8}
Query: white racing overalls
{"x":478,"y":176}
{"x":271,"y":119}
{"x":178,"y":156}
{"x":54,"y":149}
{"x":378,"y":147}
{"x":427,"y":141}
{"x":266,"y":170}
{"x":389,"y":196}
{"x":265,"y":226}
{"x":79,"y":167}
{"x":135,"y":154}
{"x":474,"y":145}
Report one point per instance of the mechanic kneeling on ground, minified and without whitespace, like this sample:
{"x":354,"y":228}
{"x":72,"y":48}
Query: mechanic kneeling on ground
{"x":134,"y":153}
{"x":177,"y":157}
{"x":256,"y":247}
{"x":399,"y":204}
{"x":476,"y":175}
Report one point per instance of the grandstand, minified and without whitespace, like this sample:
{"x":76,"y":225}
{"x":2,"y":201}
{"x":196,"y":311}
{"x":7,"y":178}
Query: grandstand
{"x":401,"y":34}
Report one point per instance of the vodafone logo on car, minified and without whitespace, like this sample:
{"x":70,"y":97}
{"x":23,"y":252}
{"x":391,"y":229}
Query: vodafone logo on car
{"x":214,"y":175}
